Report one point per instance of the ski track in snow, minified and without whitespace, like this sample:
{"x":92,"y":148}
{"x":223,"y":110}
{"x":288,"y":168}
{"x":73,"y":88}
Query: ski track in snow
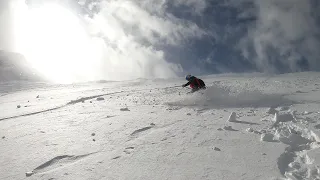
{"x":57,"y":162}
{"x":76,"y":101}
{"x":33,"y":113}
{"x":294,"y":163}
{"x":72,"y":102}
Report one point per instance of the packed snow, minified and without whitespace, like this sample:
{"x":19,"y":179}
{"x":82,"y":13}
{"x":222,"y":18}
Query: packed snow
{"x":243,"y":126}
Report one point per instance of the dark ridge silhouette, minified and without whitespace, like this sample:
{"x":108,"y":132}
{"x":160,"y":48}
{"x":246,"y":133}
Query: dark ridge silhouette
{"x":14,"y":67}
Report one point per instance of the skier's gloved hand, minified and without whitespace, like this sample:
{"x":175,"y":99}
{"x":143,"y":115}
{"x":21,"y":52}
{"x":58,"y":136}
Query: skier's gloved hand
{"x":183,"y":85}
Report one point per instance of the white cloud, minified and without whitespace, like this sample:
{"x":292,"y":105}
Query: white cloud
{"x":284,"y":31}
{"x":6,"y":26}
{"x":198,"y":6}
{"x":135,"y":20}
{"x":132,"y":37}
{"x":132,"y":33}
{"x":286,"y":28}
{"x":129,"y":38}
{"x":160,"y":6}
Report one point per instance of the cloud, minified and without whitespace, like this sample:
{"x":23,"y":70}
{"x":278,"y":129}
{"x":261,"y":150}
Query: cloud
{"x":197,"y":6}
{"x":6,"y":26}
{"x":285,"y":35}
{"x":213,"y":35}
{"x":165,"y":38}
{"x":129,"y":39}
{"x":135,"y":34}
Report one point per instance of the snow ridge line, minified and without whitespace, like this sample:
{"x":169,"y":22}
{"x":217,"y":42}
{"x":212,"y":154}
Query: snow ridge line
{"x":72,"y":102}
{"x":33,"y":113}
{"x":90,"y":97}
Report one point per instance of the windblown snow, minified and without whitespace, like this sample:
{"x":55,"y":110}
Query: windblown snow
{"x":243,"y":126}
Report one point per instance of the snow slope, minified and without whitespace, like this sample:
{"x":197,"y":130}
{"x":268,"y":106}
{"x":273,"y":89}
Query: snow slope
{"x":244,"y":126}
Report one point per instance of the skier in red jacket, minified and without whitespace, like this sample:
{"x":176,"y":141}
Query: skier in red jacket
{"x":195,"y":83}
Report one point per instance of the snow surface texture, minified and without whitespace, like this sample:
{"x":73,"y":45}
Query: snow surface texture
{"x":248,"y":127}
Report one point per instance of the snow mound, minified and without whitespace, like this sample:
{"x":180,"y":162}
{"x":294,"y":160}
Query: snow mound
{"x":267,"y":137}
{"x":232,"y":117}
{"x":283,"y":117}
{"x":229,"y":128}
{"x":100,"y":99}
{"x":294,"y":161}
{"x":124,"y":109}
{"x":271,"y":111}
{"x":249,"y":130}
{"x":295,"y":136}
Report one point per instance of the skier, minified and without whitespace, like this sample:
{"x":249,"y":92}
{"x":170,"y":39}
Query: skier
{"x":195,"y":83}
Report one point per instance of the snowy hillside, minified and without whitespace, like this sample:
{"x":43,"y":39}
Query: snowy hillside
{"x":14,"y":67}
{"x":246,"y":126}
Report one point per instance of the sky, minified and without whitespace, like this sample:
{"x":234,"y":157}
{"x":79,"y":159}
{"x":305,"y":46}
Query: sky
{"x":167,"y":38}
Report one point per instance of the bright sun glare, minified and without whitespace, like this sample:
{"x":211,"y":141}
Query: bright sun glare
{"x":55,"y":43}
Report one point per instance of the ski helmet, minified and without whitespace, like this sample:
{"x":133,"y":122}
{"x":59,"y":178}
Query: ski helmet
{"x":188,"y":77}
